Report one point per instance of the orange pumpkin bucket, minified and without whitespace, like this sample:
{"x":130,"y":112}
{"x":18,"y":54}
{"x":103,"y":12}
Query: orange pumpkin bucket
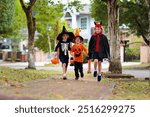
{"x":55,"y":61}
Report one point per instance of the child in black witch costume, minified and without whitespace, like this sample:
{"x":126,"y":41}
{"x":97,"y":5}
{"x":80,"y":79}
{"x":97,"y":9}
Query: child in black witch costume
{"x":98,"y":50}
{"x":64,"y":45}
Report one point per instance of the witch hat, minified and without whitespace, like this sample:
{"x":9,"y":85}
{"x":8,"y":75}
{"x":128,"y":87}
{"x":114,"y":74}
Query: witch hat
{"x":77,"y":34}
{"x":64,"y":31}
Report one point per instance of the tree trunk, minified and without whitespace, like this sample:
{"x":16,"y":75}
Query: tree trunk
{"x":145,"y":37}
{"x":113,"y":29}
{"x":148,"y":36}
{"x":31,"y":33}
{"x":31,"y":24}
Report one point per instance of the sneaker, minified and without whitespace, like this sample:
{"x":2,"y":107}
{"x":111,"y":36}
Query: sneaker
{"x":95,"y":74}
{"x":64,"y":78}
{"x":76,"y":78}
{"x":99,"y":78}
{"x":82,"y":75}
{"x":89,"y":72}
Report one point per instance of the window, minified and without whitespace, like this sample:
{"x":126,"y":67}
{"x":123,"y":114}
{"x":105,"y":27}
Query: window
{"x":5,"y":47}
{"x":83,"y":23}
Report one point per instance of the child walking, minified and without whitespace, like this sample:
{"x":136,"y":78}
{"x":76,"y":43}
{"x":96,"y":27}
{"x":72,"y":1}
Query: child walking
{"x":98,"y":49}
{"x":77,"y":52}
{"x":64,"y":45}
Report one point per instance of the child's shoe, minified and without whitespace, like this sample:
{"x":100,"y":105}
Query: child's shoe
{"x":95,"y":74}
{"x":76,"y":78}
{"x":64,"y":77}
{"x":82,"y":75}
{"x":89,"y":72}
{"x":99,"y":78}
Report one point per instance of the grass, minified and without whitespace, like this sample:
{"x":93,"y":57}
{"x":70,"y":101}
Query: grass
{"x":131,"y":90}
{"x":140,"y":66}
{"x":22,"y":75}
{"x":51,"y":65}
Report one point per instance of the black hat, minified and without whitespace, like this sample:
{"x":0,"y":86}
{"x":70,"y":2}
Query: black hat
{"x":81,"y":38}
{"x":64,"y":31}
{"x":77,"y":31}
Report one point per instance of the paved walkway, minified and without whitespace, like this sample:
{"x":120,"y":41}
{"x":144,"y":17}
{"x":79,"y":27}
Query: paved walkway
{"x":40,"y":65}
{"x":56,"y":88}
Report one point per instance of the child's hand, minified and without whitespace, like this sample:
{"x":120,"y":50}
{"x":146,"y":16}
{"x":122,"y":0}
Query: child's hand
{"x":87,"y":57}
{"x":56,"y":54}
{"x":72,"y":54}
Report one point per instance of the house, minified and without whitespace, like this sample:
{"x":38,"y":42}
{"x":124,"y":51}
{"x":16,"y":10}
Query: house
{"x":6,"y":49}
{"x":81,"y":20}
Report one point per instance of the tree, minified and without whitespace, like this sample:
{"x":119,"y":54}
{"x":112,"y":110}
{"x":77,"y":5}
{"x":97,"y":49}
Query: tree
{"x":99,"y":11}
{"x":140,"y":24}
{"x":18,"y":25}
{"x":113,"y":30}
{"x":45,"y":20}
{"x":20,"y":18}
{"x":7,"y":15}
{"x":148,"y":34}
{"x":31,"y":25}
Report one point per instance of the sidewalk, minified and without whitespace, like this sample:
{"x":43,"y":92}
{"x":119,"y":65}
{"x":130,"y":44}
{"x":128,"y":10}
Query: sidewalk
{"x":40,"y":66}
{"x":55,"y":88}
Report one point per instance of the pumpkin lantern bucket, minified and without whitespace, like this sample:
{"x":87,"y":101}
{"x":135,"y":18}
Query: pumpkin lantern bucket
{"x":55,"y":61}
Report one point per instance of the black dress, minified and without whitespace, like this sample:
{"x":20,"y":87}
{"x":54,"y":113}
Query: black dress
{"x":63,"y":47}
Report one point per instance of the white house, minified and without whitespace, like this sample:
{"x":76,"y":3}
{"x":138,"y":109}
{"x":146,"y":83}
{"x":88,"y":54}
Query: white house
{"x":81,"y":20}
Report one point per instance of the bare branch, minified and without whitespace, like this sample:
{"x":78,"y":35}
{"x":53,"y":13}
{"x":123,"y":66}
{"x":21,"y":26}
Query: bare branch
{"x":23,"y":5}
{"x":142,"y":33}
{"x":32,"y":2}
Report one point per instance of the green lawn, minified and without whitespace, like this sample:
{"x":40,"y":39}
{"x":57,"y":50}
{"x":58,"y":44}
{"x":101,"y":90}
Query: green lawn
{"x":52,"y":65}
{"x":141,"y":66}
{"x":131,"y":90}
{"x":22,"y":75}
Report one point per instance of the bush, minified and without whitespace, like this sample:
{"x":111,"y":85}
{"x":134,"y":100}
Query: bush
{"x":132,"y":54}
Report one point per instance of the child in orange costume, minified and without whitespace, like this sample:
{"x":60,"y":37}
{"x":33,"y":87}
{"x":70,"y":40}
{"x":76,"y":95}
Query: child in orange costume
{"x":77,"y":52}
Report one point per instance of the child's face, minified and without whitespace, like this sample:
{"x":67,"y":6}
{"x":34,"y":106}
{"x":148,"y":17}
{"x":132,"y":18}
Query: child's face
{"x":65,"y":37}
{"x":98,"y":30}
{"x":77,"y":40}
